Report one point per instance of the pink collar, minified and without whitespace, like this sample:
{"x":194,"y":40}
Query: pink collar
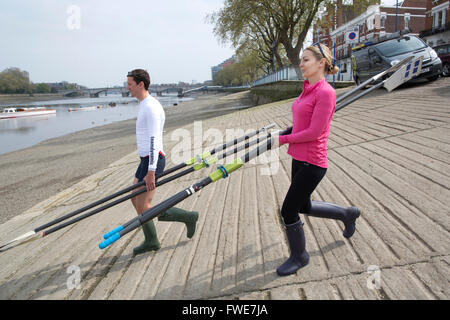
{"x":308,"y":87}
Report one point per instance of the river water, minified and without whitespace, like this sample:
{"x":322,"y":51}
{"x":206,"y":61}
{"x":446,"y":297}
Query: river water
{"x":19,"y":133}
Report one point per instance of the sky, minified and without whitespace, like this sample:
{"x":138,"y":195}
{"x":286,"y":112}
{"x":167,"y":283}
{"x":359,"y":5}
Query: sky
{"x":95,"y":43}
{"x":390,"y":2}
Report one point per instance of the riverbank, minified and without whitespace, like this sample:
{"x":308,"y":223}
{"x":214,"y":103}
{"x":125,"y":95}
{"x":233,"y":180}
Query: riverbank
{"x":30,"y":175}
{"x":18,"y":99}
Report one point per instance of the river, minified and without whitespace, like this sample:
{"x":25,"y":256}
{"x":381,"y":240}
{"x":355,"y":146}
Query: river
{"x":19,"y":133}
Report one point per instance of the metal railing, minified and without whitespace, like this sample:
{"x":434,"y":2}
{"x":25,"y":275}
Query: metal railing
{"x":286,"y":73}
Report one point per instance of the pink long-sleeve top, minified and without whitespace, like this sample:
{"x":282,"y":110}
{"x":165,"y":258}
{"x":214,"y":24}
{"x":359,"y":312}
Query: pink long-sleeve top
{"x":311,"y":115}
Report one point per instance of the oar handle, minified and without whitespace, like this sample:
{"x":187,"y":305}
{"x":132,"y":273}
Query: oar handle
{"x":127,"y":227}
{"x":285,"y":132}
{"x":112,"y":232}
{"x":109,"y":241}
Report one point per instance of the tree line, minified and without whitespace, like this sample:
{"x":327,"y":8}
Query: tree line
{"x":14,"y":80}
{"x":269,"y":34}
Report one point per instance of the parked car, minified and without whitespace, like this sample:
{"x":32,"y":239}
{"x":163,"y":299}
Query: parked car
{"x":443,"y":52}
{"x":372,"y":58}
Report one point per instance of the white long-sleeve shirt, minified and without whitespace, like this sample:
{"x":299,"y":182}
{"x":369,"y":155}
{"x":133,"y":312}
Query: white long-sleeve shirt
{"x":149,"y":129}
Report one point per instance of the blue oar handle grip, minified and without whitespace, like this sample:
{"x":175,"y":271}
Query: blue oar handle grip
{"x":112,"y":232}
{"x":110,"y":240}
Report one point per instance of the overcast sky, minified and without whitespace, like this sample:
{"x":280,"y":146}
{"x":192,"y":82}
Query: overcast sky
{"x":95,"y":43}
{"x":390,"y":2}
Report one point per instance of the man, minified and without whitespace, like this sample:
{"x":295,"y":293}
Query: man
{"x":149,"y":129}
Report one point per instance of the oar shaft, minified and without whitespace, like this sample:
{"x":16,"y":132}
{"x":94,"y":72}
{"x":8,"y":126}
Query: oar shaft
{"x":223,"y":155}
{"x":349,"y":93}
{"x":173,"y":169}
{"x":126,"y":227}
{"x":242,"y":147}
{"x":373,"y":79}
{"x":158,"y":209}
{"x":115,"y":202}
{"x":354,"y":98}
{"x":90,"y":213}
{"x":158,"y":183}
{"x":240,"y":139}
{"x":180,"y":196}
{"x":89,"y":206}
{"x":134,"y":223}
{"x":140,"y":184}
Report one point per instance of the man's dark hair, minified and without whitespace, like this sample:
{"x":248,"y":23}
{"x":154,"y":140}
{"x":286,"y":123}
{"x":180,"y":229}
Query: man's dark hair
{"x":140,"y":75}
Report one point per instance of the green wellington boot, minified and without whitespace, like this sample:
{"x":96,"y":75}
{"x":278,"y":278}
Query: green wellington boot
{"x":151,"y":241}
{"x":176,"y":214}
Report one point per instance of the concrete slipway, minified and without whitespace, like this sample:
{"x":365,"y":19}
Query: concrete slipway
{"x":389,"y":154}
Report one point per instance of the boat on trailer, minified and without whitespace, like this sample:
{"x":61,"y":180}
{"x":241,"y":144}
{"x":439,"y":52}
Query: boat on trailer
{"x":10,"y":113}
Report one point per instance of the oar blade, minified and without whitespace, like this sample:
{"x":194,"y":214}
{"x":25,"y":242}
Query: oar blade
{"x":26,"y":237}
{"x":403,"y":74}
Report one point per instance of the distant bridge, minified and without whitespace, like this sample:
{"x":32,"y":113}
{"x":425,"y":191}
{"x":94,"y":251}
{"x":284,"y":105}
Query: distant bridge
{"x":181,"y":92}
{"x":94,"y":92}
{"x":158,"y":89}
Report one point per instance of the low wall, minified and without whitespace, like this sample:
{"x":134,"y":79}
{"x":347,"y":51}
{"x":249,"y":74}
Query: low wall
{"x":285,"y":89}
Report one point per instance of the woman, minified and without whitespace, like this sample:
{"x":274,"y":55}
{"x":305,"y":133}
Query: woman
{"x":311,"y":113}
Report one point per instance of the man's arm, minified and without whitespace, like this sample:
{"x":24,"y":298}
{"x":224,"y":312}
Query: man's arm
{"x":153,"y":123}
{"x":150,"y":180}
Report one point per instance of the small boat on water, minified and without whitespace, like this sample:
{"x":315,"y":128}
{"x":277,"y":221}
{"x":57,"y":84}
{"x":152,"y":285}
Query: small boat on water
{"x":84,"y":108}
{"x":9,"y":113}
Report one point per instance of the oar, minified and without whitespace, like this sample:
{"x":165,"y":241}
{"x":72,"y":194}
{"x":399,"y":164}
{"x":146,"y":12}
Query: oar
{"x":403,"y":74}
{"x":221,"y":172}
{"x":205,"y":163}
{"x":230,"y":152}
{"x":375,"y":78}
{"x":234,"y":142}
{"x":191,"y":161}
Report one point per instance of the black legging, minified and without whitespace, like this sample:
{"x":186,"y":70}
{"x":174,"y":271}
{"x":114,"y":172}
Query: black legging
{"x":304,"y":179}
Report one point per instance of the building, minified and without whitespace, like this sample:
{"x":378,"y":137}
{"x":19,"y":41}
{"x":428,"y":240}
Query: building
{"x":343,"y":30}
{"x":63,"y":85}
{"x":437,"y":23}
{"x":222,"y":65}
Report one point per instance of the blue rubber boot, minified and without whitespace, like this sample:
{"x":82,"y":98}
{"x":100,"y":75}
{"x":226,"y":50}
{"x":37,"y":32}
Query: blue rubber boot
{"x":347,"y":215}
{"x":299,"y":256}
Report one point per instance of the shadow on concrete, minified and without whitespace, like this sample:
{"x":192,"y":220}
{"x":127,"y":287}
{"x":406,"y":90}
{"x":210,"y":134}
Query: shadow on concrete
{"x":56,"y":278}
